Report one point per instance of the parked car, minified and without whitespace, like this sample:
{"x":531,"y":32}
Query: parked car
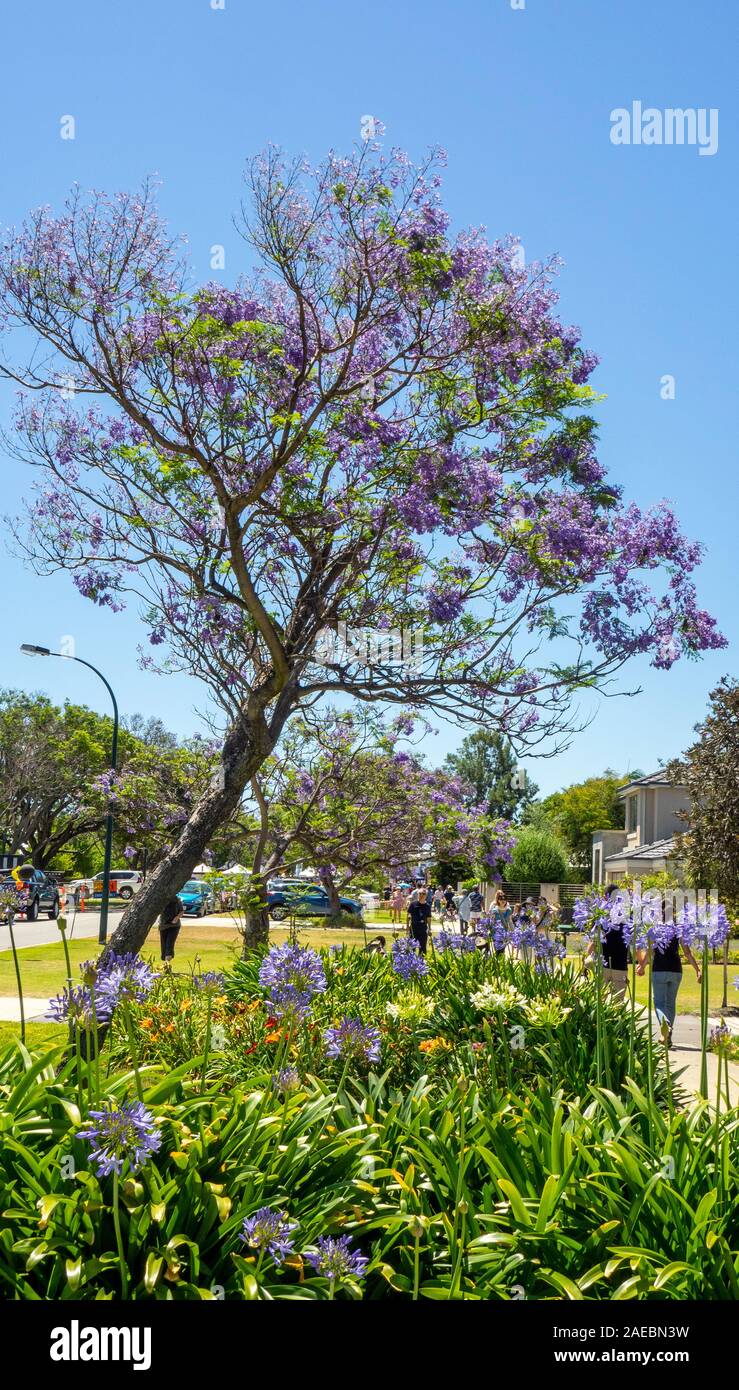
{"x":123,"y":883}
{"x":307,"y":902}
{"x":285,"y":885}
{"x":197,"y":898}
{"x":36,"y":892}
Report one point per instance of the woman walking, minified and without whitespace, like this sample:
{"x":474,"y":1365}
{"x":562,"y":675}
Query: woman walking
{"x":397,"y":904}
{"x":667,"y":977}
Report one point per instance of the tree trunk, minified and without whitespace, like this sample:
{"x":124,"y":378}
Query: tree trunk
{"x":247,"y":745}
{"x":334,"y":897}
{"x":256,"y":917}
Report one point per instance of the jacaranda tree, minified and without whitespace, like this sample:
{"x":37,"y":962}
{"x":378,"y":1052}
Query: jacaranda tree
{"x":356,"y":799}
{"x":382,"y":426}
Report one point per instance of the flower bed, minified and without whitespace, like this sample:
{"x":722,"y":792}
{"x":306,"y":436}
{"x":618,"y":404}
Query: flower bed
{"x":340,"y":1124}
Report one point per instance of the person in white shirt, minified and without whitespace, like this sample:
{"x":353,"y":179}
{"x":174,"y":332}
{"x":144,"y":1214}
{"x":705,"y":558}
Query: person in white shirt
{"x":464,"y":912}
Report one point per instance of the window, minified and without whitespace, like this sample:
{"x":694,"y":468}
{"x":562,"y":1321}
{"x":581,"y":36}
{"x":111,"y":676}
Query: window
{"x":631,"y":812}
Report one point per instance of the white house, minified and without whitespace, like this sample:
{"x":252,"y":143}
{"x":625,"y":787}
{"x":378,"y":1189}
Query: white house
{"x":646,"y":846}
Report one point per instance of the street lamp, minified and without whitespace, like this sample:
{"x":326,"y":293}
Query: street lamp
{"x":31,"y":650}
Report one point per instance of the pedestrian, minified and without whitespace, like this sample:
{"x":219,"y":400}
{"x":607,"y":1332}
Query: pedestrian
{"x":397,"y":903}
{"x":419,"y":919}
{"x":169,"y":928}
{"x":503,"y":914}
{"x":614,"y":951}
{"x":464,"y":912}
{"x":477,"y":904}
{"x":437,"y":902}
{"x":667,"y":977}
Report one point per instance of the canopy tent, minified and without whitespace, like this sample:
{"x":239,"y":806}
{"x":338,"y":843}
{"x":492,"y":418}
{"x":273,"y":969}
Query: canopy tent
{"x":201,"y":869}
{"x":235,"y":870}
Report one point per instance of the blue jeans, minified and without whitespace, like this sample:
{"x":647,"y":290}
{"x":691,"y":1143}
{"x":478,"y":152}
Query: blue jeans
{"x":665,"y":985}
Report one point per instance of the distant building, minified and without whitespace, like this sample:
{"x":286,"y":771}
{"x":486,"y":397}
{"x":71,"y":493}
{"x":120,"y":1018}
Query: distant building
{"x":647,"y":845}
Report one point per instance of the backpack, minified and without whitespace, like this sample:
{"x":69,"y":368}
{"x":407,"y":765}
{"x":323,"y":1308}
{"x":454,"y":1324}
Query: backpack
{"x":475,"y":901}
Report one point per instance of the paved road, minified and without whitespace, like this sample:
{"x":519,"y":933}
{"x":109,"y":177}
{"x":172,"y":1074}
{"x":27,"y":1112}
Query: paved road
{"x":84,"y":924}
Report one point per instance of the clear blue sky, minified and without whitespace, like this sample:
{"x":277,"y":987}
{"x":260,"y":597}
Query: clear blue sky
{"x":521,"y":100}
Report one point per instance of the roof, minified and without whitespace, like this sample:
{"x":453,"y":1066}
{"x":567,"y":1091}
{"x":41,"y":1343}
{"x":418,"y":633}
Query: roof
{"x":659,"y":849}
{"x":653,"y":779}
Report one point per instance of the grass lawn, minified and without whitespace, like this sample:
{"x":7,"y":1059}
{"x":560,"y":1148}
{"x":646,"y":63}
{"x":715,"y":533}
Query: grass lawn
{"x":215,"y":947}
{"x":43,"y":970}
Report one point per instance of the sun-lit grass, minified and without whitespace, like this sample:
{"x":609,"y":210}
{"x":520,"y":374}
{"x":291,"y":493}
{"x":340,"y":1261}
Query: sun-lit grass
{"x":205,"y":947}
{"x":199,"y":947}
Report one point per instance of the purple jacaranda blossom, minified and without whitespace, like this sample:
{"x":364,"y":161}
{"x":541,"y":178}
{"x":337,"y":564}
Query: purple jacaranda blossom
{"x":121,"y":1135}
{"x":408,"y":962}
{"x":292,"y":976}
{"x":335,"y":1259}
{"x":271,"y":1231}
{"x":353,"y":1041}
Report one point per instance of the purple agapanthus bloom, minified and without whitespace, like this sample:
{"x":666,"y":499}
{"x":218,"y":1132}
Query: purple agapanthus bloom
{"x":704,"y":922}
{"x":121,"y":1134}
{"x":352,"y":1040}
{"x":408,"y":962}
{"x":292,"y":975}
{"x":271,"y":1231}
{"x":210,"y":980}
{"x":335,"y":1259}
{"x":286,"y":1081}
{"x":75,"y":1006}
{"x":125,"y":979}
{"x":454,"y":941}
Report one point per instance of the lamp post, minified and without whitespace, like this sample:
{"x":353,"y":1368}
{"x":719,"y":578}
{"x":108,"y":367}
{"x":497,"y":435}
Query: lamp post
{"x":31,"y":650}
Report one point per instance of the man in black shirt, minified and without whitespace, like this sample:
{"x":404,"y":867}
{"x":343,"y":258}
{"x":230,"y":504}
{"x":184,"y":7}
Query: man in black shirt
{"x":419,"y":916}
{"x":169,"y":927}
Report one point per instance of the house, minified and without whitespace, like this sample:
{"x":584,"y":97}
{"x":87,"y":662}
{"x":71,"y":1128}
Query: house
{"x":653,"y":808}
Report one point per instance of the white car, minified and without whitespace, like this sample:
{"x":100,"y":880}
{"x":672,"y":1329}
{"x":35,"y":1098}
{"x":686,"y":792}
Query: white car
{"x":123,"y":884}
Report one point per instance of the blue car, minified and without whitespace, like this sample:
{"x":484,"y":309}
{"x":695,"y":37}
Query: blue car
{"x":196,"y":898}
{"x":307,"y":902}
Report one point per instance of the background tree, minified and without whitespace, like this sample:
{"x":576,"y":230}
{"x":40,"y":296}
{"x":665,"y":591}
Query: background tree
{"x":356,"y":802}
{"x":538,"y":857}
{"x":383,"y":427}
{"x":486,"y":761}
{"x":580,"y":809}
{"x":49,"y":758}
{"x":710,"y":771}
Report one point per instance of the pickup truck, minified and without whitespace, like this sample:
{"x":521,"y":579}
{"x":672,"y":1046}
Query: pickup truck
{"x":36,"y":892}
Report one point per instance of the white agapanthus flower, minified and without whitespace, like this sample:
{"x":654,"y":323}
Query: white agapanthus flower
{"x":488,"y":999}
{"x":410,"y":1007}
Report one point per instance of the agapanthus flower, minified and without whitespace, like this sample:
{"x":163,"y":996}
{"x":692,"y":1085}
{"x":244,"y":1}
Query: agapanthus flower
{"x":352,"y":1040}
{"x":210,"y":981}
{"x":121,"y":1134}
{"x":335,"y":1259}
{"x":455,"y":941}
{"x":75,"y":1006}
{"x":703,"y":922}
{"x":550,"y":1013}
{"x":488,"y":999}
{"x":721,"y":1038}
{"x":125,"y":979}
{"x":408,"y":962}
{"x":286,"y":1081}
{"x":271,"y":1231}
{"x":410,"y":1007}
{"x":292,"y":975}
